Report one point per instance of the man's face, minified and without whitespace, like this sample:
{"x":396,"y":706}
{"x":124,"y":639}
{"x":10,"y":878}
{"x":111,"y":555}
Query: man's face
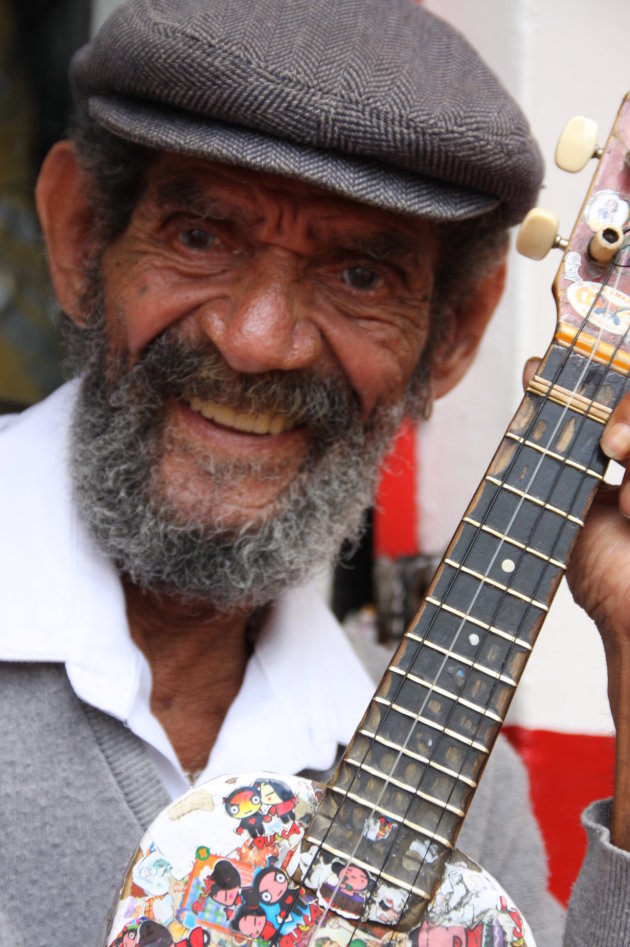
{"x":278,"y":277}
{"x":252,"y":340}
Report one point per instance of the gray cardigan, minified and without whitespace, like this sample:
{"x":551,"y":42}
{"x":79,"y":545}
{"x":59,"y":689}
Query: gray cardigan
{"x":78,"y":790}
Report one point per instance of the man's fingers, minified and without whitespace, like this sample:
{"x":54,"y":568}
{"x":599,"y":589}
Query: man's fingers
{"x":615,"y":441}
{"x":530,"y":369}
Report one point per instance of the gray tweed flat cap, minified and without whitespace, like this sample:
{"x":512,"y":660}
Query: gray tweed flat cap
{"x":376,"y":100}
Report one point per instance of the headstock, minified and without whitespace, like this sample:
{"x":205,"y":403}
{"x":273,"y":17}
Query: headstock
{"x":592,"y":286}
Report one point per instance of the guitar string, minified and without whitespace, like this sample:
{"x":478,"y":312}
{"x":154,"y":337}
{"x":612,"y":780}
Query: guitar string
{"x":561,"y":467}
{"x":522,"y":553}
{"x":543,"y":401}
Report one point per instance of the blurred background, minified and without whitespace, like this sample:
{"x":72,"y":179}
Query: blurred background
{"x":36,"y":41}
{"x":557,"y":59}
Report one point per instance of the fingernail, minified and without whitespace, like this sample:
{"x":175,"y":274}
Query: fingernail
{"x":615,"y":441}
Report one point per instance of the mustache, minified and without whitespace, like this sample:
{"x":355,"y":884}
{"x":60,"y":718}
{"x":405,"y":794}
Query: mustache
{"x":174,"y":368}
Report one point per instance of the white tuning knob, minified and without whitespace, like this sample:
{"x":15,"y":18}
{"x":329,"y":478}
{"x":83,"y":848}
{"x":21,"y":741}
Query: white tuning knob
{"x":605,"y":243}
{"x":538,"y":234}
{"x":577,"y":144}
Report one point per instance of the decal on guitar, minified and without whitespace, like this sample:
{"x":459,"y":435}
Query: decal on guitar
{"x":606,"y":208}
{"x":603,"y":307}
{"x":594,"y":314}
{"x":227,"y":865}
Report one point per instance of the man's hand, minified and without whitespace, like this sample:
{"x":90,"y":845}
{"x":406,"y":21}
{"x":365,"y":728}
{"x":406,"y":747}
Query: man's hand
{"x":599,"y":578}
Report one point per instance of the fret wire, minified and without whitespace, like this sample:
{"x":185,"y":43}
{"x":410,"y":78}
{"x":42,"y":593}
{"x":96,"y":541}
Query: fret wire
{"x":554,"y":455}
{"x":433,"y":688}
{"x":413,"y":889}
{"x":374,"y":807}
{"x":503,"y":588}
{"x":416,"y":827}
{"x":373,"y":771}
{"x":474,"y":621}
{"x":497,"y":585}
{"x":440,"y":728}
{"x":532,"y":499}
{"x":513,"y":542}
{"x":488,"y":672}
{"x":419,"y":757}
{"x":564,"y":410}
{"x":570,"y":400}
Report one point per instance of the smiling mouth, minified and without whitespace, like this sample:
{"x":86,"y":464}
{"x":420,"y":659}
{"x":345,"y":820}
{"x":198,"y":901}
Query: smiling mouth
{"x":247,"y":422}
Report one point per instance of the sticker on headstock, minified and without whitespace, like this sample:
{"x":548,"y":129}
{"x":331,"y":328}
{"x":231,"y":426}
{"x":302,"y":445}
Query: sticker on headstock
{"x":605,"y":209}
{"x":603,"y":306}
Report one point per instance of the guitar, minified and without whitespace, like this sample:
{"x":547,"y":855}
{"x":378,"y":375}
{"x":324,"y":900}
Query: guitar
{"x":370,"y":859}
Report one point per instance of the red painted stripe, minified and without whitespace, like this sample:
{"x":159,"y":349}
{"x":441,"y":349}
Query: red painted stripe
{"x":567,"y":771}
{"x":396,"y":511}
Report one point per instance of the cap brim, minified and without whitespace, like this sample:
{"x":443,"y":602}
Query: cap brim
{"x":368,"y":182}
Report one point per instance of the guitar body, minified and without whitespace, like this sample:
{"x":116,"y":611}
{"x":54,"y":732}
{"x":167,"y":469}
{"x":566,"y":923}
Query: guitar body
{"x":228,"y":864}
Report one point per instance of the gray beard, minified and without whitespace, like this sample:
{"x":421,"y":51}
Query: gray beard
{"x":119,"y":439}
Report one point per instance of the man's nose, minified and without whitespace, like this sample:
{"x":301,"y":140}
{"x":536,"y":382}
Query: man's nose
{"x":265,"y":324}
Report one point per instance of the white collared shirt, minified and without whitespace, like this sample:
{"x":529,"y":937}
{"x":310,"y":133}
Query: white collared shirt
{"x":304,"y":690}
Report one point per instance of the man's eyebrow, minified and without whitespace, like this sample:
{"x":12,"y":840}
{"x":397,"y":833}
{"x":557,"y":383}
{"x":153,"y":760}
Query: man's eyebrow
{"x":183,"y":193}
{"x":390,"y":244}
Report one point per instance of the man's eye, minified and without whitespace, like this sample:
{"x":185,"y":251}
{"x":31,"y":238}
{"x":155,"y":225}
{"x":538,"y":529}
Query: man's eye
{"x":198,"y":239}
{"x":360,"y":277}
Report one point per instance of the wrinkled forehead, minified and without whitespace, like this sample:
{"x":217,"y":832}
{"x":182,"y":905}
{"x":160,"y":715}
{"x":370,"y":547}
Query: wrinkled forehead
{"x":257,"y":200}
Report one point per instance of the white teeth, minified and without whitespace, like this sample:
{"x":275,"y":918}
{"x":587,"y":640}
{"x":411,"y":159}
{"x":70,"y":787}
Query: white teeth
{"x":246,"y":421}
{"x":277,"y":425}
{"x":221,"y":414}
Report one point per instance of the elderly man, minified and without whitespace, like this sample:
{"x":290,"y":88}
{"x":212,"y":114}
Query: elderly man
{"x":277,"y":228}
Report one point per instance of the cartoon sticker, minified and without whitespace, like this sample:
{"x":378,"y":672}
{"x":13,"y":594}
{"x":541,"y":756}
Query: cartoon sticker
{"x":606,"y":208}
{"x":225,"y":867}
{"x":603,"y":306}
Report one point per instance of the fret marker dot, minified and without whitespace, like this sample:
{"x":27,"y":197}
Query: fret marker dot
{"x":508,"y":565}
{"x":474,"y":639}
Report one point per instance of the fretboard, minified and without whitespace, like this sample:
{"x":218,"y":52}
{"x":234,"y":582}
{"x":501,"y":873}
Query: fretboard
{"x":415,"y":761}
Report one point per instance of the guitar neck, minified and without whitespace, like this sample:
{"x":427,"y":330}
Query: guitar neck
{"x":398,"y":799}
{"x":420,"y":750}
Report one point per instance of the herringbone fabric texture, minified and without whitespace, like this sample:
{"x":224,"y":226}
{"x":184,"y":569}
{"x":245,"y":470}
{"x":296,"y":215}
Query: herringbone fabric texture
{"x":374,"y":99}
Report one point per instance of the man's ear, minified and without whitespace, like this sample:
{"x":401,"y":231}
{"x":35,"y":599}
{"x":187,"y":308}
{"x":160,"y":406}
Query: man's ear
{"x":66,"y":219}
{"x":469,"y":324}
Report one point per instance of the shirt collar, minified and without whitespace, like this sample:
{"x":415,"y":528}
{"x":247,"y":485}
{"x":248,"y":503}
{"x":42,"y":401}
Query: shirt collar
{"x":303,"y":694}
{"x":62,"y":596}
{"x":304,"y":689}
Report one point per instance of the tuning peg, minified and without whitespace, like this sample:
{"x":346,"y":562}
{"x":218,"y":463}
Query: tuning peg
{"x":605,"y":243}
{"x":538,"y":234}
{"x":577,"y":144}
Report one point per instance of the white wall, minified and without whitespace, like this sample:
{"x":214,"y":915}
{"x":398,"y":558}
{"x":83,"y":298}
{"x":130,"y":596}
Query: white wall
{"x":558,"y":59}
